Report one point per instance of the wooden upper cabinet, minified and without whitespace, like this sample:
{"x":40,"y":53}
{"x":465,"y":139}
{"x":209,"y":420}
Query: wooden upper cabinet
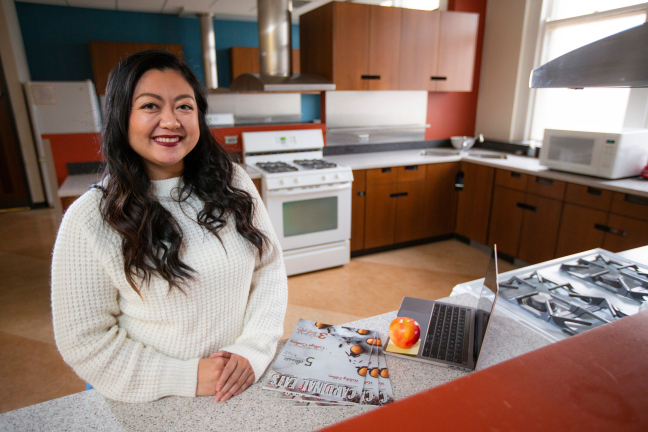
{"x":368,"y":47}
{"x":457,"y":48}
{"x":419,"y":49}
{"x":246,"y":60}
{"x":106,"y":55}
{"x":384,"y":47}
{"x":350,"y":45}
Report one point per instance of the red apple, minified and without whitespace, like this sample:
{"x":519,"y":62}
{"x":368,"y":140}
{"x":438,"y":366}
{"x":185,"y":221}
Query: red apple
{"x":404,"y":332}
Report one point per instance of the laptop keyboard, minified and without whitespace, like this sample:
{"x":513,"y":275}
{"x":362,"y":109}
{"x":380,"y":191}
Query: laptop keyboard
{"x":446,"y":338}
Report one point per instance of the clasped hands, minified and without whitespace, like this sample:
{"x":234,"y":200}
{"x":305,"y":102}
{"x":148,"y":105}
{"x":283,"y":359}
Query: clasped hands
{"x":224,"y":375}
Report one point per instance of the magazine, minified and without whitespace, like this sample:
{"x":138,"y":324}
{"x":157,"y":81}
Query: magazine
{"x":386,"y":394}
{"x":322,"y":360}
{"x":370,"y":394}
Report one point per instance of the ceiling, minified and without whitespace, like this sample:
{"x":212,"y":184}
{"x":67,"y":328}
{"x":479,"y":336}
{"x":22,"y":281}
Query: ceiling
{"x":222,"y":9}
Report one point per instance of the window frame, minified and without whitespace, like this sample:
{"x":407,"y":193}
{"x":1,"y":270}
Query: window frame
{"x":535,"y":44}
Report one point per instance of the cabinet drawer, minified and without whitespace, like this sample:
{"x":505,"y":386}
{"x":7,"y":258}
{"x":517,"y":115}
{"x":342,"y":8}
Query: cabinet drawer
{"x":545,"y":187}
{"x":511,"y":179}
{"x":586,"y":196}
{"x":630,"y":205}
{"x":411,"y":172}
{"x":382,"y":175}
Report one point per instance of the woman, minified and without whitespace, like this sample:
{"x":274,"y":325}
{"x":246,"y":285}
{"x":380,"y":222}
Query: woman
{"x":172,"y":258}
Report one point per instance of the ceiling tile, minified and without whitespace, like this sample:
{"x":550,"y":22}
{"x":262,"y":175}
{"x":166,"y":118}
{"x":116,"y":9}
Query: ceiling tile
{"x":94,"y":4}
{"x":188,"y":6}
{"x":47,"y":2}
{"x":140,"y":5}
{"x":235,"y":7}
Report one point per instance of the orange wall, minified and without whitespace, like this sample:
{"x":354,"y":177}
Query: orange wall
{"x":454,"y":113}
{"x":79,"y":147}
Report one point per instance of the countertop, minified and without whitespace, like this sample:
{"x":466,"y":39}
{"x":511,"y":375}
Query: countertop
{"x":257,"y":409}
{"x":520,"y":164}
{"x":78,"y":184}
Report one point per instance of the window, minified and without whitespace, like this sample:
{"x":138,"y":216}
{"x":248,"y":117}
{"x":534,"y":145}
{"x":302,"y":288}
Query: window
{"x":570,"y":24}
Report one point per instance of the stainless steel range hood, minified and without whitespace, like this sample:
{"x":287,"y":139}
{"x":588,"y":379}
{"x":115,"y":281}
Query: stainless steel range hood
{"x":620,"y":60}
{"x":275,"y":55}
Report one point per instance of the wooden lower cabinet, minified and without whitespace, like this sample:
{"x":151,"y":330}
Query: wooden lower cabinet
{"x":539,"y":229}
{"x":380,"y":215}
{"x":635,"y":233}
{"x":410,"y":214}
{"x":506,"y":220}
{"x":474,"y":203}
{"x":440,"y":200}
{"x":578,"y":230}
{"x":524,"y":225}
{"x":358,"y":201}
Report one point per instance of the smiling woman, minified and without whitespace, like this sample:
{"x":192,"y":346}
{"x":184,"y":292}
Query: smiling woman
{"x":167,"y":278}
{"x":163,"y":126}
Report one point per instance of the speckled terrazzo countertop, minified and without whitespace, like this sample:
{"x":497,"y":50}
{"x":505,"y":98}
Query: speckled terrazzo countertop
{"x":256,"y":409}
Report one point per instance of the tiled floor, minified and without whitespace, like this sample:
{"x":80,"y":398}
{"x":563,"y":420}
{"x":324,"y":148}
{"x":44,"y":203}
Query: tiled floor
{"x":32,"y":371}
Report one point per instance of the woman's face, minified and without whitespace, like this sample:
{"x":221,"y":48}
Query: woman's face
{"x":163,"y":125}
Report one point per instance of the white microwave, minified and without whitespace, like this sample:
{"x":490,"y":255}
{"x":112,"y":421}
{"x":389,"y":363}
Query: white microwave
{"x":600,"y":154}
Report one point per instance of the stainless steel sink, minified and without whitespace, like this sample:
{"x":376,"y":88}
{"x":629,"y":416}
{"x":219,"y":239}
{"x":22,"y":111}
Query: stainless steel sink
{"x":488,"y":155}
{"x":440,"y":153}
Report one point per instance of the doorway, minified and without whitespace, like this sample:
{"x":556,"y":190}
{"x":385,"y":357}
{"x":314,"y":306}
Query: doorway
{"x":13,"y":183}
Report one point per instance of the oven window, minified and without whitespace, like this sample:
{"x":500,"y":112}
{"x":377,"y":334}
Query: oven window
{"x":572,"y":150}
{"x":310,"y":216}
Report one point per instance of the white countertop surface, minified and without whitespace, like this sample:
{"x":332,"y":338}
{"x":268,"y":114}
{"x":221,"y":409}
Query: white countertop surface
{"x":520,"y":164}
{"x":78,"y":184}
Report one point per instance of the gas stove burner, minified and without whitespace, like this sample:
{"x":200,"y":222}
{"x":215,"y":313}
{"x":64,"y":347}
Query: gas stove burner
{"x":539,"y":301}
{"x":276,"y":167}
{"x":601,"y":303}
{"x":624,"y":280}
{"x":314,"y":163}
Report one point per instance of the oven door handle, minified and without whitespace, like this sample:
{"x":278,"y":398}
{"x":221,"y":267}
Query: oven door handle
{"x":300,"y":191}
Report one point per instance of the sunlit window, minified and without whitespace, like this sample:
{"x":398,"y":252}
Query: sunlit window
{"x":590,"y":109}
{"x":413,"y":4}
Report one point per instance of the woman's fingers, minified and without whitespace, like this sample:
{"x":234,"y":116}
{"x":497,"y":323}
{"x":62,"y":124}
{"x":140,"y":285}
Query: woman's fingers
{"x":236,"y":377}
{"x":223,"y":354}
{"x":240,"y":383}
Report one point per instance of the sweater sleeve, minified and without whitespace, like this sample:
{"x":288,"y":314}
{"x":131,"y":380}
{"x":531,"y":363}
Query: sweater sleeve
{"x":85,"y":309}
{"x":268,"y":297}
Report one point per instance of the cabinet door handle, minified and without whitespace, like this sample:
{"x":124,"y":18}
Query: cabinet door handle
{"x":398,"y":195}
{"x":594,"y":191}
{"x":361,"y":193}
{"x":438,"y":78}
{"x":370,"y":77}
{"x":610,"y":230}
{"x":527,"y":207}
{"x":386,"y":170}
{"x":544,"y":181}
{"x":636,"y":199}
{"x":411,"y":168}
{"x":515,"y":175}
{"x":459,"y":181}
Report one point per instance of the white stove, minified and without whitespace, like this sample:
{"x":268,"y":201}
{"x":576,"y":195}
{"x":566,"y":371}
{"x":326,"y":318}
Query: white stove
{"x":307,"y":197}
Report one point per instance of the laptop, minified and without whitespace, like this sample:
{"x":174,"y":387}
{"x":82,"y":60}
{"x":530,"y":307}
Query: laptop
{"x":451,"y":335}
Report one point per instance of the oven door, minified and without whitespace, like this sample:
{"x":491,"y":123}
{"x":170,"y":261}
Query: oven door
{"x":311,"y":216}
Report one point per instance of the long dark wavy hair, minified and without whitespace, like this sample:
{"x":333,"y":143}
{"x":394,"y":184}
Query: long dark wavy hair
{"x":151,"y":237}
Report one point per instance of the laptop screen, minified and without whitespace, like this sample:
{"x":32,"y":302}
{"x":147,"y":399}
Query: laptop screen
{"x":486,"y":304}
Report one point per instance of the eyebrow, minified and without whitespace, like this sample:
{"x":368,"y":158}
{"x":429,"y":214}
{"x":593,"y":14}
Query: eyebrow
{"x":177,"y":98}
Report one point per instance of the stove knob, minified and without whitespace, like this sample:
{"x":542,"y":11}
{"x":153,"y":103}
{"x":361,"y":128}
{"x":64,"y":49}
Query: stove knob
{"x":296,"y":180}
{"x":281,"y":182}
{"x":337,"y":176}
{"x":323,"y":177}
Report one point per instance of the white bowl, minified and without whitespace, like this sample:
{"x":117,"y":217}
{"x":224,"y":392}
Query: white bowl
{"x":457,"y":141}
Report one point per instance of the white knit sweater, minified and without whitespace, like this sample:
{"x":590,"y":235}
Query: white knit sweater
{"x":136,"y":349}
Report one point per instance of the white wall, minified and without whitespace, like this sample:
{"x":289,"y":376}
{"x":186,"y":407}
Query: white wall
{"x":14,"y":64}
{"x":510,"y":37}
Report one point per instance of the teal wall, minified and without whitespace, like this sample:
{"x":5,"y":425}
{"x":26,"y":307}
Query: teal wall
{"x":56,"y":41}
